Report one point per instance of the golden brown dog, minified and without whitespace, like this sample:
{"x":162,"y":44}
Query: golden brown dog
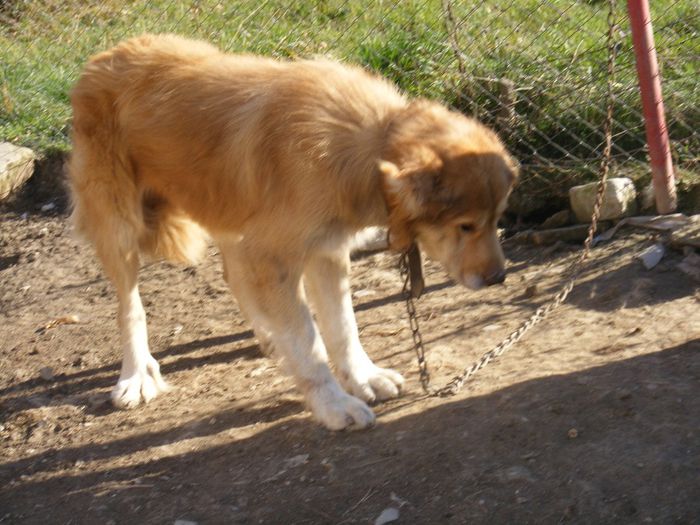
{"x":281,"y":164}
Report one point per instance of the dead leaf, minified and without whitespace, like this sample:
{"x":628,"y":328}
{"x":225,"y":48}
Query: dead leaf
{"x":68,"y":319}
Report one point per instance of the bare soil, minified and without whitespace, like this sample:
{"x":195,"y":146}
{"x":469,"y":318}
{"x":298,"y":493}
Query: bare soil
{"x":593,"y":418}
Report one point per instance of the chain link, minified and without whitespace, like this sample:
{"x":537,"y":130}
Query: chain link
{"x":457,"y":382}
{"x":413,"y":322}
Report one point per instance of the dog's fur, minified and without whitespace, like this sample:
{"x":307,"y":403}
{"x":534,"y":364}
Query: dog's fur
{"x":280,"y":163}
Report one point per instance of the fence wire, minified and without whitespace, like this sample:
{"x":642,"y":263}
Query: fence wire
{"x":532,"y":69}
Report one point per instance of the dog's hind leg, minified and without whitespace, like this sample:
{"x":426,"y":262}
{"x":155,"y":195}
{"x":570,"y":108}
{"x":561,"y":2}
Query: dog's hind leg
{"x":108,"y":212}
{"x":269,"y":284}
{"x":140,"y":378}
{"x":328,"y":285}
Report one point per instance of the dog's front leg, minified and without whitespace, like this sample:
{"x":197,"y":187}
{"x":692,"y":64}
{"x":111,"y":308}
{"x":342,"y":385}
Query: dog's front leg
{"x":326,"y":277}
{"x":272,"y":292}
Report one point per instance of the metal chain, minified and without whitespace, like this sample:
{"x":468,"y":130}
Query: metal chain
{"x":456,"y":383}
{"x":413,"y":322}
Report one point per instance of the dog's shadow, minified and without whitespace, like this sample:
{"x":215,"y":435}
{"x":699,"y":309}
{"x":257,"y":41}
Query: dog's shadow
{"x":573,"y":445}
{"x":79,"y":388}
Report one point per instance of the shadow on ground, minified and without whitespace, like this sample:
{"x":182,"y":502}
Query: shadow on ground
{"x":78,"y":385}
{"x":614,"y":444}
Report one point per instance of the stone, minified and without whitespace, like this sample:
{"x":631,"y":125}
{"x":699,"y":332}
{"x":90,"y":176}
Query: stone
{"x":388,"y":515}
{"x":619,"y":200}
{"x":558,"y":220}
{"x":16,"y":166}
{"x":652,"y":255}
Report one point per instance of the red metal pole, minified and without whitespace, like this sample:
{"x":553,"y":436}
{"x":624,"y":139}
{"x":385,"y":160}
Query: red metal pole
{"x":653,"y":106}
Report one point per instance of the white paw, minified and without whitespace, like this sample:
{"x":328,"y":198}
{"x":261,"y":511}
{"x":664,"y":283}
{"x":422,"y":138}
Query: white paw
{"x":142,"y":384}
{"x":337,"y":410}
{"x":372,"y":383}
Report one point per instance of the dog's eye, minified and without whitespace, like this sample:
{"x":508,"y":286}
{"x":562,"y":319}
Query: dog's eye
{"x":467,"y":227}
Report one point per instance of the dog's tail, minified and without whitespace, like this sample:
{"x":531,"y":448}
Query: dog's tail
{"x":168,"y":233}
{"x":110,"y":208}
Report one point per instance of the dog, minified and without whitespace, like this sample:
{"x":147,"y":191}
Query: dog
{"x":280,"y":164}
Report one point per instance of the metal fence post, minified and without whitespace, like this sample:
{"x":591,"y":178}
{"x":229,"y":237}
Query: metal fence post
{"x":653,"y":106}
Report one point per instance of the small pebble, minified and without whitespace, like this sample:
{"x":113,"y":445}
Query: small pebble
{"x":388,"y":515}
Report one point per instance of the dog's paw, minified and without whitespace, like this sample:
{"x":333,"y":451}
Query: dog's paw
{"x":372,"y":383}
{"x":142,"y":384}
{"x":337,"y":410}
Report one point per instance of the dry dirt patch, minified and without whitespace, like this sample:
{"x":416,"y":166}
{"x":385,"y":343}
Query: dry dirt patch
{"x":593,"y":418}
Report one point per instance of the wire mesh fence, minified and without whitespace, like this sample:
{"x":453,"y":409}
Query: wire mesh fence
{"x":533,"y":69}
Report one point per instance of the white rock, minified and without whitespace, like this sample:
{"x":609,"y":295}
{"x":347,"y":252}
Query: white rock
{"x":16,"y":166}
{"x":619,"y":199}
{"x":652,"y":255}
{"x":388,"y":515}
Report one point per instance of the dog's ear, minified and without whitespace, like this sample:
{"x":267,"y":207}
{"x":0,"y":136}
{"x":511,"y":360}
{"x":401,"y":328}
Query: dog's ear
{"x":400,"y":204}
{"x":407,"y":191}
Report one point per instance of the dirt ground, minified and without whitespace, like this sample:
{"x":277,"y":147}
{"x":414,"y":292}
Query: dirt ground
{"x":593,"y":418}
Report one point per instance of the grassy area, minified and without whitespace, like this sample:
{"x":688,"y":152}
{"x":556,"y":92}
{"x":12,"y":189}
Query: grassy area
{"x":552,"y":50}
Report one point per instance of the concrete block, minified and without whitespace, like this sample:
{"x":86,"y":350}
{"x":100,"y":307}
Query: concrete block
{"x":16,"y":166}
{"x":619,"y":199}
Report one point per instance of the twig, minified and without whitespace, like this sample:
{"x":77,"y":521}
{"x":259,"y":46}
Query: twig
{"x":364,"y":498}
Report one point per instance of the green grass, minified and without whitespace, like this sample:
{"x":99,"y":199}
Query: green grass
{"x":552,"y":50}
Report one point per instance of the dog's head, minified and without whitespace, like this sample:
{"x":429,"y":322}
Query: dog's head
{"x":446,"y":185}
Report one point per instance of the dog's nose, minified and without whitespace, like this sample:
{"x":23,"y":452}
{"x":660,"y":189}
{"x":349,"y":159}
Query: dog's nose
{"x":495,"y":278}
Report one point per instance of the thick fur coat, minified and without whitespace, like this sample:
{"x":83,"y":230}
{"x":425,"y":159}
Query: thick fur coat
{"x":280,"y":164}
